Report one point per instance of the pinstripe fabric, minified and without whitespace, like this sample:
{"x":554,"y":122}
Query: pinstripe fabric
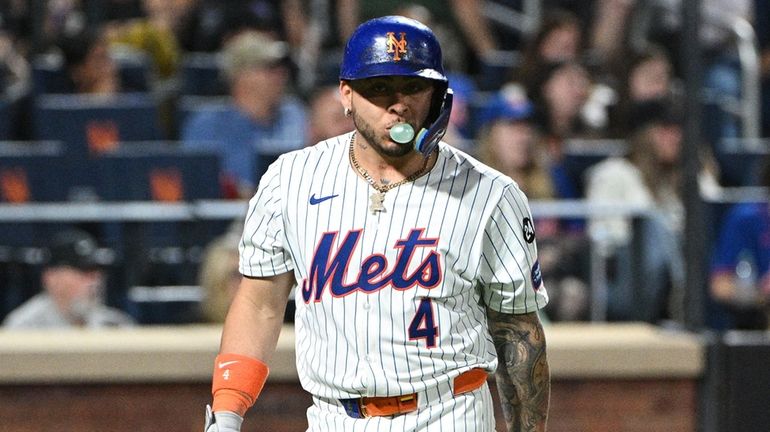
{"x":451,"y":241}
{"x":471,"y":412}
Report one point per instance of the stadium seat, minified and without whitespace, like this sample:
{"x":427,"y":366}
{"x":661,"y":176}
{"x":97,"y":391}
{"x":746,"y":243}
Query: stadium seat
{"x":200,"y":75}
{"x":157,"y":171}
{"x":7,"y":113}
{"x":48,"y":74}
{"x":740,"y":161}
{"x":90,"y":125}
{"x":163,"y":252}
{"x":33,"y":172}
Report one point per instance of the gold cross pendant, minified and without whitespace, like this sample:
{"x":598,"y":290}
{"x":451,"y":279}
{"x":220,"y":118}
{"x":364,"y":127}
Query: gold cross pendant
{"x":376,"y":200}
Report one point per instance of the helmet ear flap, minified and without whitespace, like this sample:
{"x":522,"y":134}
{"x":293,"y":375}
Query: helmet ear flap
{"x":437,"y":103}
{"x":428,"y":139}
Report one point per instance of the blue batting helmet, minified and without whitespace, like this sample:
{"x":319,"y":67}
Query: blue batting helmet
{"x":392,"y":45}
{"x":400,"y":46}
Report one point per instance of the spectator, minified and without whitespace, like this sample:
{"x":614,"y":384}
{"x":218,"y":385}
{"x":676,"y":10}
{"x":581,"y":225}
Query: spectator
{"x":15,"y":73}
{"x":87,"y":63}
{"x":15,"y":86}
{"x":61,"y":18}
{"x":648,"y":77}
{"x":559,"y":39}
{"x":649,"y":177}
{"x":261,"y":119}
{"x":73,"y":289}
{"x":563,"y":91}
{"x":155,"y":34}
{"x":509,"y":142}
{"x":608,"y":34}
{"x":561,"y":101}
{"x":219,"y":276}
{"x":740,"y":268}
{"x":209,"y":24}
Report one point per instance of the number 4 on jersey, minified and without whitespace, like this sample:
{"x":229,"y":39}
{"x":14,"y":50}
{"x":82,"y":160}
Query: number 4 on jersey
{"x":423,"y":325}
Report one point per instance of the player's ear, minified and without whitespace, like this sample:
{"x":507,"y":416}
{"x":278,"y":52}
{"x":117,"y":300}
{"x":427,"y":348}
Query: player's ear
{"x":346,"y":94}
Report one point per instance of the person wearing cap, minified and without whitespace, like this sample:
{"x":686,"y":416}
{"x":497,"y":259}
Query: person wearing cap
{"x":72,"y":283}
{"x":261,"y":120}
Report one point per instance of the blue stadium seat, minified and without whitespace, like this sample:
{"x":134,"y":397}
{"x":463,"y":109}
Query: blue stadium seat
{"x":135,"y":67}
{"x":159,"y":253}
{"x":30,"y":172}
{"x":48,"y":74}
{"x":157,"y":171}
{"x":200,"y":75}
{"x":89,"y":125}
{"x":6,"y":115}
{"x":34,"y":172}
{"x":740,"y":161}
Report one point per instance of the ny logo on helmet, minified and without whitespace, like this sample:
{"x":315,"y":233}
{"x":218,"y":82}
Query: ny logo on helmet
{"x":396,"y":46}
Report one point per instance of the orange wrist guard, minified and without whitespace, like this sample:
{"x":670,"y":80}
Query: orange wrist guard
{"x":237,"y":382}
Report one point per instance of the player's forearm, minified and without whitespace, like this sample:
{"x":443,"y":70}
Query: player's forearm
{"x":523,"y":378}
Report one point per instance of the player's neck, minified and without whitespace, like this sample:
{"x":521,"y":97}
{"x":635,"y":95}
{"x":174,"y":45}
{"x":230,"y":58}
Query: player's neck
{"x":386,"y":169}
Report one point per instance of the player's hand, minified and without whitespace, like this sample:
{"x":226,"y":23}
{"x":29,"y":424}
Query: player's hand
{"x":222,"y":421}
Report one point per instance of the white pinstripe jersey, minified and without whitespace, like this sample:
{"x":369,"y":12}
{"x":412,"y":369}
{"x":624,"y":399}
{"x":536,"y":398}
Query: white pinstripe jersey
{"x":392,"y":303}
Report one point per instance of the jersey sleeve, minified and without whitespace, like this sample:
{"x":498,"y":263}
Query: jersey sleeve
{"x":509,"y":272}
{"x":262,"y":247}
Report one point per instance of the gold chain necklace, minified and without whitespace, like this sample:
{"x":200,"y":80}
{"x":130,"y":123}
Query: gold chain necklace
{"x":377,"y":198}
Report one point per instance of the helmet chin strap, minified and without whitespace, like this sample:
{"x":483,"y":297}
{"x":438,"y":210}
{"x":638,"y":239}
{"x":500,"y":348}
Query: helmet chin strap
{"x":427,"y":139}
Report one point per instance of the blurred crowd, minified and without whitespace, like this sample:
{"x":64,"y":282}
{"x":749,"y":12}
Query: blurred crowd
{"x":575,"y":100}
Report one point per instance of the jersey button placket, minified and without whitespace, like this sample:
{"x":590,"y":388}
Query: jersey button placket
{"x":362,"y":335}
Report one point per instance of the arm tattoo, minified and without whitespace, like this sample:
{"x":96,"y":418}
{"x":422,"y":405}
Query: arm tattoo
{"x":523,"y":378}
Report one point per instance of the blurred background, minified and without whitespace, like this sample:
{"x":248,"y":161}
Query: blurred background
{"x":132,"y":132}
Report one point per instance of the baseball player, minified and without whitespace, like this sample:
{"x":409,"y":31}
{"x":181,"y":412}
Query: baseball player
{"x":415,"y":266}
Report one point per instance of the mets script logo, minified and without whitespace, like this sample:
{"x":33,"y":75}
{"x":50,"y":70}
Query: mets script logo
{"x":396,"y":46}
{"x":329,"y":267}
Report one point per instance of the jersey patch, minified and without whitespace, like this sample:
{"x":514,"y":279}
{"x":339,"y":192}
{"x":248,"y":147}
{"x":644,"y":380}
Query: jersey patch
{"x":528,"y":230}
{"x":537,"y":275}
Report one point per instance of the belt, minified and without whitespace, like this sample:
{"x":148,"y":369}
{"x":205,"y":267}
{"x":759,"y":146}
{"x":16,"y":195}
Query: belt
{"x":380,"y":406}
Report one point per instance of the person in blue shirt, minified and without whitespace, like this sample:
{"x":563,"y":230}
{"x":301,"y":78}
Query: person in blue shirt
{"x":740,"y":268}
{"x":260,"y":120}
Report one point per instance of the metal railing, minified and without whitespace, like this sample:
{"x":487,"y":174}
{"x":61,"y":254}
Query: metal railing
{"x":748,"y":54}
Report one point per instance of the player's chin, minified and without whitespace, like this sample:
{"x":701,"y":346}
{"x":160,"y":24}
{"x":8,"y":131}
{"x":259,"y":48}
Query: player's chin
{"x":393,"y":149}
